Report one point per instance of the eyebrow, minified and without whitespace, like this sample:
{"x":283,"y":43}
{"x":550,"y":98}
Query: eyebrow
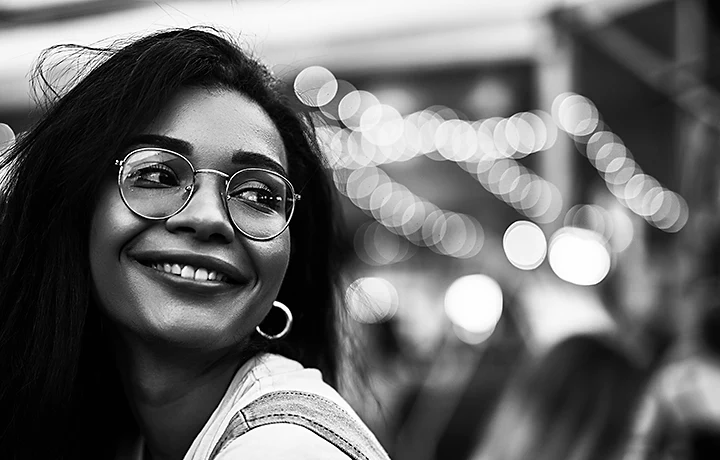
{"x":170,"y":143}
{"x":182,"y":147}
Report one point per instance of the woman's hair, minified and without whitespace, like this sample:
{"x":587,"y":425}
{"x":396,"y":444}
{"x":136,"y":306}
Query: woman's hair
{"x":577,"y":402}
{"x":59,"y":390}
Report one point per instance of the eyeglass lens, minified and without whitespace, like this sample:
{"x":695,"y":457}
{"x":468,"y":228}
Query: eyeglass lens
{"x":157,"y":184}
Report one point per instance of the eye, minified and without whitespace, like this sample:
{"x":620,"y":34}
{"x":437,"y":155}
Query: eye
{"x":153,"y":175}
{"x":257,"y":194}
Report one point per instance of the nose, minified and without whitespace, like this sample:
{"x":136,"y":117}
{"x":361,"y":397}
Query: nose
{"x":205,"y":216}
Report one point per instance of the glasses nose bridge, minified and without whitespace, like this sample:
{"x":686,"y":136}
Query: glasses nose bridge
{"x":213,"y":171}
{"x":224,"y":176}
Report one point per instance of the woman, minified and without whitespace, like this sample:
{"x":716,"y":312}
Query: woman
{"x":577,"y":402}
{"x":169,"y":264}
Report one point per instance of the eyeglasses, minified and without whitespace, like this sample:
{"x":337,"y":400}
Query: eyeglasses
{"x":156,"y":184}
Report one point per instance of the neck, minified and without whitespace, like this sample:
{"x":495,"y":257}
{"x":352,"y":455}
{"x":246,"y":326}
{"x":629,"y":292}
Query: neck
{"x":173,"y":393}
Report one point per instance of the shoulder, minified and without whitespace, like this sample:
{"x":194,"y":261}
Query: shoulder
{"x":271,"y":373}
{"x":300,"y":423}
{"x":292,"y":413}
{"x":281,"y":441}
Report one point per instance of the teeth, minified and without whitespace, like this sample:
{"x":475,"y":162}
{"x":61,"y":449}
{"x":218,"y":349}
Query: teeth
{"x":190,"y":272}
{"x":201,"y":274}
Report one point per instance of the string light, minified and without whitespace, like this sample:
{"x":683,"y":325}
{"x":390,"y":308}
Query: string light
{"x":638,"y":191}
{"x":376,"y":134}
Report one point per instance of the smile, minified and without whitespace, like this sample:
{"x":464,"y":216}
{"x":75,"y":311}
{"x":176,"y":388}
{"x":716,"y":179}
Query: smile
{"x":189,"y":272}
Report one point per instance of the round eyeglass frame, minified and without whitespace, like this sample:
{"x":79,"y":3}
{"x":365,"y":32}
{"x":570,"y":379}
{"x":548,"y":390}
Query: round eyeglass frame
{"x":228,"y":178}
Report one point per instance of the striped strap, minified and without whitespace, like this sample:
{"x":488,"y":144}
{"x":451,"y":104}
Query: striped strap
{"x":316,"y":413}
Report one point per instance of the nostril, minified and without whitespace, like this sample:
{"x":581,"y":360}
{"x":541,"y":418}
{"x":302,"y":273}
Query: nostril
{"x":205,"y":215}
{"x":203,"y":231}
{"x":206,"y":221}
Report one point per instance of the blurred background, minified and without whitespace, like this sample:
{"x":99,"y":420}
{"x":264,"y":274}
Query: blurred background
{"x":512,"y":173}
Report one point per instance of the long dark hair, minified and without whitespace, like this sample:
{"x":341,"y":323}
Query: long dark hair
{"x":59,"y":391}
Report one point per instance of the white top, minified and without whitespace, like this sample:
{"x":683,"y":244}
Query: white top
{"x":263,"y":374}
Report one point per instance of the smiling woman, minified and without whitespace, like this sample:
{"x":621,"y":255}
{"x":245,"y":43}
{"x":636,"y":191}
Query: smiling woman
{"x":153,"y":234}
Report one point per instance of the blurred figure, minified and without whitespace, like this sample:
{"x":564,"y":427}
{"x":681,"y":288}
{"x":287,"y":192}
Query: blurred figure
{"x":577,"y":402}
{"x":681,"y":417}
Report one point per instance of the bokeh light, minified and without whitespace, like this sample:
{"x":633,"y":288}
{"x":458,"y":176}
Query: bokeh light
{"x":434,"y":227}
{"x":7,"y":139}
{"x":486,"y":137}
{"x":551,"y":131}
{"x":331,"y":109}
{"x":575,"y":114}
{"x":353,"y":106}
{"x":371,"y":300}
{"x":463,"y":236}
{"x":500,"y":138}
{"x":413,"y":218}
{"x":474,"y":303}
{"x":671,"y":212}
{"x":524,"y":132}
{"x":7,"y":136}
{"x":362,"y":183}
{"x":315,"y":86}
{"x":579,"y":256}
{"x":489,"y":149}
{"x":382,"y":125}
{"x":525,"y":245}
{"x":603,"y":147}
{"x":547,"y":201}
{"x":376,"y":245}
{"x":639,"y":192}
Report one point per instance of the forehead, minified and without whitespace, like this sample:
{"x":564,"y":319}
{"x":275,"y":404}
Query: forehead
{"x":217,"y":123}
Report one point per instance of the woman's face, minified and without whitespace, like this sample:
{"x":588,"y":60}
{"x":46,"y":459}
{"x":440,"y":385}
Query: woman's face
{"x":214,"y":129}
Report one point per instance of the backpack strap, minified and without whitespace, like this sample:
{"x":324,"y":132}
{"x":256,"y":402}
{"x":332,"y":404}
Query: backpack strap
{"x":314,"y":412}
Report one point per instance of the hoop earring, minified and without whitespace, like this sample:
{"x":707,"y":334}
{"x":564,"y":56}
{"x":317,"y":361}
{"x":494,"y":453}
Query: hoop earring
{"x":288,"y":323}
